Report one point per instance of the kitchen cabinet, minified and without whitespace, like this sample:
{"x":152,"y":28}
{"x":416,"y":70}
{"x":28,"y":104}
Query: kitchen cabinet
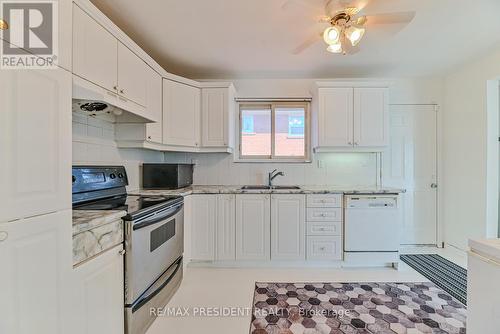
{"x":181,"y":114}
{"x":217,"y":116}
{"x":225,"y":228}
{"x":154,"y":131}
{"x":35,"y":254}
{"x":352,"y":118}
{"x":253,"y":227}
{"x":95,"y":51}
{"x":132,"y":76}
{"x":288,"y":227}
{"x":202,"y":219}
{"x":35,"y":126}
{"x":98,"y":288}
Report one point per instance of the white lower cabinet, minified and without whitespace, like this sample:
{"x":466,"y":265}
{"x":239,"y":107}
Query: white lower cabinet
{"x":225,"y":234}
{"x":36,"y":259}
{"x":324,"y":247}
{"x":253,"y":227}
{"x":288,"y":227}
{"x":98,"y":287}
{"x":203,"y":216}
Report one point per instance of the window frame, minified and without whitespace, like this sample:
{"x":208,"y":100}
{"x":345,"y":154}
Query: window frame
{"x":273,"y":105}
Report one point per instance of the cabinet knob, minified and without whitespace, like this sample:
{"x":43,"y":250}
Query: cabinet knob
{"x":356,"y":143}
{"x":3,"y":236}
{"x":349,"y":143}
{"x":122,"y":91}
{"x":115,"y":87}
{"x":122,"y":252}
{"x":149,"y":137}
{"x":322,"y":248}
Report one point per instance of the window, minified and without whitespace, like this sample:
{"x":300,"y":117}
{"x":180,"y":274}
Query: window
{"x":274,"y":131}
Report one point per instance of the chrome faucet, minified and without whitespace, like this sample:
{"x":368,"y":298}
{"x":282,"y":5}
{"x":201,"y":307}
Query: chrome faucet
{"x":273,"y":175}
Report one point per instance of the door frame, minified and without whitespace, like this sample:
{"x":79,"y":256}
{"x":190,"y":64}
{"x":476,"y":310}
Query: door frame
{"x":439,"y":166}
{"x":492,"y":227}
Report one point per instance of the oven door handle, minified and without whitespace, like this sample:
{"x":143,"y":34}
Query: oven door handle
{"x":157,"y":286}
{"x":158,"y":217}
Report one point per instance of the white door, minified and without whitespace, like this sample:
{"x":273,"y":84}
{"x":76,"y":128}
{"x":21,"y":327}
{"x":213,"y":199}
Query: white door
{"x":181,"y":114}
{"x":214,"y":117}
{"x":288,"y":227}
{"x":410,"y":163}
{"x":36,"y":258}
{"x":35,"y":142}
{"x":225,"y":227}
{"x":132,"y":75}
{"x":98,"y":288}
{"x":371,"y":112}
{"x":154,"y":106}
{"x":95,"y":51}
{"x":203,"y":216}
{"x":335,"y":119}
{"x":253,"y":227}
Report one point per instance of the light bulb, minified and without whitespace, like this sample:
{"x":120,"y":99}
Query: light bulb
{"x":331,"y":35}
{"x":354,"y":34}
{"x":334,"y":48}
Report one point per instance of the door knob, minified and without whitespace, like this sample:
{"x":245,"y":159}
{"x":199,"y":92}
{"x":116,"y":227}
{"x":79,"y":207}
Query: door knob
{"x":434,"y":185}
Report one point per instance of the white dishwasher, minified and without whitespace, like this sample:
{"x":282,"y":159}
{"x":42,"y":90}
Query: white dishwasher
{"x":372,"y":225}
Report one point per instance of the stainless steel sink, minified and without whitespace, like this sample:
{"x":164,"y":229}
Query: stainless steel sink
{"x":262,"y":187}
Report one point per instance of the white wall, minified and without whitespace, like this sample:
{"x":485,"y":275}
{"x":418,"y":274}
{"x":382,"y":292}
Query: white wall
{"x":468,"y":211}
{"x":94,"y":144}
{"x":340,"y":169}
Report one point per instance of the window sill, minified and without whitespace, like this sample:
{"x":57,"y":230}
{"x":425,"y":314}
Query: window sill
{"x":272,"y":161}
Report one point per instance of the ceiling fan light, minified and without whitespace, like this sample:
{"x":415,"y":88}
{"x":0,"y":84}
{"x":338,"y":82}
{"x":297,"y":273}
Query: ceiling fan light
{"x":331,"y":35}
{"x":354,"y":34}
{"x":335,"y":48}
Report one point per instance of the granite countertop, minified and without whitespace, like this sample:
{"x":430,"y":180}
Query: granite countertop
{"x":85,"y":220}
{"x":236,"y":189}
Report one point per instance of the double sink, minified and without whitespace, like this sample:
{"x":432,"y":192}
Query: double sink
{"x":262,"y":187}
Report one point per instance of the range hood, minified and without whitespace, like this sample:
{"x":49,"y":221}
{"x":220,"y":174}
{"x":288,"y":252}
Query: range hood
{"x":94,"y":100}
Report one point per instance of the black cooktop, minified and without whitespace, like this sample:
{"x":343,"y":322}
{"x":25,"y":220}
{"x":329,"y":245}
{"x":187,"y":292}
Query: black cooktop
{"x":135,"y":205}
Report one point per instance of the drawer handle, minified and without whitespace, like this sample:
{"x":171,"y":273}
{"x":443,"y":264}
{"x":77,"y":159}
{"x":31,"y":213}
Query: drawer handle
{"x":321,"y":228}
{"x":122,"y":252}
{"x":322,"y":248}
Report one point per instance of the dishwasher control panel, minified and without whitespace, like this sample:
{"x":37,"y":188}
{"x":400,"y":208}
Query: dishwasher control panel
{"x":371,"y":202}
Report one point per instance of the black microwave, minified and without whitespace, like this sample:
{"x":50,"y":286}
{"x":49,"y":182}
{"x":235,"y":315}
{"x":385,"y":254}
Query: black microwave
{"x":166,"y":176}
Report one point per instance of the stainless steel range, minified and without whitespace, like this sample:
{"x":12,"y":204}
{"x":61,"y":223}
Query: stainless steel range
{"x":154,"y":239}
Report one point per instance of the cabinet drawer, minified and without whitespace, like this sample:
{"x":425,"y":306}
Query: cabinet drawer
{"x":324,"y":248}
{"x":324,"y":228}
{"x":324,"y":201}
{"x":324,"y":214}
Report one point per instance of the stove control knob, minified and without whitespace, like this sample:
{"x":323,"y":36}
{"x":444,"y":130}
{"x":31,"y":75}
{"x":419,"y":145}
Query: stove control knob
{"x":112,"y":176}
{"x":120,"y":175}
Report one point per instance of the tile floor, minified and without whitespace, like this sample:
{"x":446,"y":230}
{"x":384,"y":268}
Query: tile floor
{"x":231,"y":290}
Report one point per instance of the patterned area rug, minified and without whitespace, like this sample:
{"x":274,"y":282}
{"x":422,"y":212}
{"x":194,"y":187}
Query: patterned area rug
{"x":445,"y":274}
{"x":348,"y":308}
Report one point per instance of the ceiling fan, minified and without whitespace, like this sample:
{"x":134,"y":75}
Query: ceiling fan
{"x":347,"y":23}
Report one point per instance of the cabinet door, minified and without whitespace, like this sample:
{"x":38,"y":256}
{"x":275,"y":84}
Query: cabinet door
{"x":203,"y":216}
{"x":253,"y":227}
{"x":214,"y":117}
{"x":95,"y":51}
{"x":225,"y":227}
{"x":371,"y":117}
{"x":35,"y":142}
{"x":154,"y":106}
{"x":35,"y":254}
{"x":181,"y":114}
{"x":99,"y":288}
{"x":132,"y":76}
{"x":288,"y":227}
{"x":335,"y":117}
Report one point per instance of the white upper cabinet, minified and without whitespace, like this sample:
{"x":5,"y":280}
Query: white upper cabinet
{"x":181,"y":114}
{"x":132,"y":76}
{"x":154,"y":131}
{"x":217,"y":116}
{"x":65,"y":33}
{"x":288,"y":227}
{"x":35,"y":142}
{"x":253,"y":227}
{"x":371,"y":117}
{"x":352,"y":118}
{"x":95,"y":51}
{"x":335,"y":119}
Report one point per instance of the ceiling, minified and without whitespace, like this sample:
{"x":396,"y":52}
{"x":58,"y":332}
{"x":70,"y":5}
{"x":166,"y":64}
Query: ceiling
{"x":215,"y":39}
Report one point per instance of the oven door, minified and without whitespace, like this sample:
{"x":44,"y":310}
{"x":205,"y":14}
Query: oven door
{"x":153,"y":243}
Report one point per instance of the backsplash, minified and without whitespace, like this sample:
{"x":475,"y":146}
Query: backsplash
{"x":339,"y":169}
